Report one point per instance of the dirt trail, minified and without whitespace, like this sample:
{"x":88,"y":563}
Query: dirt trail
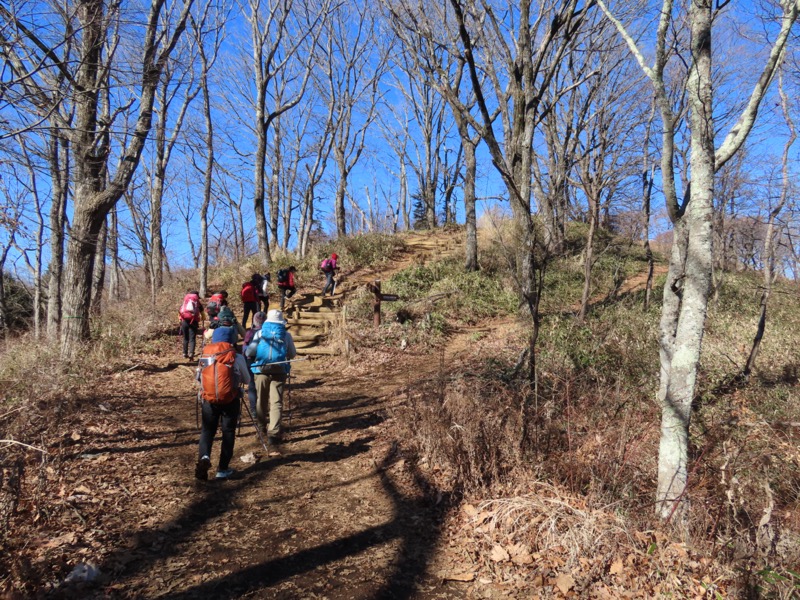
{"x":336,"y":516}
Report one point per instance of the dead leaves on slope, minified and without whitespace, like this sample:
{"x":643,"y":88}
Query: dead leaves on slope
{"x":546,"y":543}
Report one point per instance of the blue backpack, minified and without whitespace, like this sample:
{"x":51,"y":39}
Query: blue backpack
{"x":272,"y":348}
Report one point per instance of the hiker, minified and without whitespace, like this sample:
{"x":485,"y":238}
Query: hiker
{"x":263,"y":290}
{"x":271,"y":349}
{"x":221,"y":372}
{"x":286,"y":284}
{"x":328,"y":266}
{"x":215,"y":304}
{"x":190,"y":313}
{"x":249,"y":295}
{"x":225,"y":329}
{"x":255,"y":329}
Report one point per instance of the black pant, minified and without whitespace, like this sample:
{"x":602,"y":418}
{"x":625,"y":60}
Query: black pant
{"x":189,"y":332}
{"x":265,"y":301}
{"x":212,"y":413}
{"x":249,"y":308}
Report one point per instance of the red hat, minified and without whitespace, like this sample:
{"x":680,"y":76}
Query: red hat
{"x":334,"y":257}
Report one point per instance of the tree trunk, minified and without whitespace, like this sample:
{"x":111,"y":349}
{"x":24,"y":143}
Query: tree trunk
{"x":58,"y":155}
{"x":471,"y":245}
{"x":275,"y":183}
{"x":99,"y":272}
{"x":588,"y":257}
{"x":682,"y":330}
{"x":113,"y":252}
{"x":259,"y":192}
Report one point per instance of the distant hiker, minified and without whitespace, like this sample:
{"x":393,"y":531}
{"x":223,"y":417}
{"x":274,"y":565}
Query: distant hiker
{"x":329,"y":267}
{"x":220,"y":373}
{"x":226,"y":328}
{"x":249,"y":336}
{"x":286,"y":283}
{"x":270,"y":350}
{"x":215,"y":303}
{"x":190,"y":313}
{"x":249,"y":295}
{"x":261,"y":283}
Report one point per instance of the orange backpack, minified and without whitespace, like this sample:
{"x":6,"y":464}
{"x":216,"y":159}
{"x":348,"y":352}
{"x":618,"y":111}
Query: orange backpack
{"x":218,"y":381}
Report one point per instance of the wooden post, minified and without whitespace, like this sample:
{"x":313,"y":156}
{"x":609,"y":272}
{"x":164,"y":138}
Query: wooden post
{"x":375,"y":288}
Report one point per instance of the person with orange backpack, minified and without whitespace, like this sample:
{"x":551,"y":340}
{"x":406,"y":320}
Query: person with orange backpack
{"x":249,"y":295}
{"x":190,"y":313}
{"x":220,"y":373}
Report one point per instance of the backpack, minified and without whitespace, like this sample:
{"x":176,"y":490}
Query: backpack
{"x":218,"y":381}
{"x":272,"y":348}
{"x":283,"y":276}
{"x":212,"y":309}
{"x":326,"y":265}
{"x":190,"y":307}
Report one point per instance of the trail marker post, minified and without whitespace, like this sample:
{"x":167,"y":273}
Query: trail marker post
{"x":378,"y":297}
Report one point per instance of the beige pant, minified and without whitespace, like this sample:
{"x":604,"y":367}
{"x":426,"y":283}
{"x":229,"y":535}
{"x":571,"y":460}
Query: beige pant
{"x":269,"y":394}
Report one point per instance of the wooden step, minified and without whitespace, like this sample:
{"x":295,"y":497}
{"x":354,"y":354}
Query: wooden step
{"x":317,"y":350}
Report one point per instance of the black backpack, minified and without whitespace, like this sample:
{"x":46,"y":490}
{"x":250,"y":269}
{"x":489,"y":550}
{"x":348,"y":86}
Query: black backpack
{"x":283,"y":275}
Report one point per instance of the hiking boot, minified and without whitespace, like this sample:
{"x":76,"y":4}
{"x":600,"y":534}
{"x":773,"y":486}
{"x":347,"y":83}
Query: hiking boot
{"x":202,"y":467}
{"x":273,"y":440}
{"x":225,"y":473}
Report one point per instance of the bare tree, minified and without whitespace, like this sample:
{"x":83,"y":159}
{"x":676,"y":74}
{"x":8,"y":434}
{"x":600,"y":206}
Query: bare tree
{"x":283,"y":35}
{"x":521,"y":59}
{"x":354,"y":60}
{"x":177,"y":77}
{"x":768,"y":268}
{"x":688,"y":283}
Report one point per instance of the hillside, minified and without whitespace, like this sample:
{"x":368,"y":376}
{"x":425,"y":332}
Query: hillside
{"x":414,"y":465}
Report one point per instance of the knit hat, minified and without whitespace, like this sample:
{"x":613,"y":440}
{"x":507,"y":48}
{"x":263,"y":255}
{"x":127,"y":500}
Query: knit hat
{"x":334,"y":257}
{"x":226,"y":316}
{"x":275,"y":316}
{"x":258,"y":319}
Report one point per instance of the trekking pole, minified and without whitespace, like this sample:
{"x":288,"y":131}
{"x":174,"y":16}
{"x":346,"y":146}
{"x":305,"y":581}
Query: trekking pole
{"x":253,"y":421}
{"x":289,"y":405}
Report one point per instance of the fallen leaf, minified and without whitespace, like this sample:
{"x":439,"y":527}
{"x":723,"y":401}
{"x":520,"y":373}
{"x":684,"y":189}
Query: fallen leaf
{"x":62,"y":540}
{"x":617,"y":567}
{"x":499,"y":554}
{"x":75,"y":436}
{"x":565,"y":583}
{"x":82,"y":489}
{"x":520,"y":555}
{"x":470,"y":510}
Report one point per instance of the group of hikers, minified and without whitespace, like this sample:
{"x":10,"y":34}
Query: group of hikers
{"x":262,"y":364}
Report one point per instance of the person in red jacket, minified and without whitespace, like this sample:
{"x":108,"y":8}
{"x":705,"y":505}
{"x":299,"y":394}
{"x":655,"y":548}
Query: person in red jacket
{"x":249,"y":296}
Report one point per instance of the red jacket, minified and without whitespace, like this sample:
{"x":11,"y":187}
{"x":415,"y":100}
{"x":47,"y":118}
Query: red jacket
{"x":288,"y":284}
{"x":249,"y":292}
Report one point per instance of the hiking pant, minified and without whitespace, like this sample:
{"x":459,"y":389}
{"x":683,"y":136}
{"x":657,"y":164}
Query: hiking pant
{"x":269,"y":390}
{"x":265,"y":301}
{"x":250,"y":308}
{"x":212,"y":413}
{"x":286,"y":293}
{"x":189,"y":332}
{"x":330,"y":283}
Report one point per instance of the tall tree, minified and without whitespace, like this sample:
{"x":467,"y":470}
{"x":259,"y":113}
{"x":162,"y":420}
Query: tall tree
{"x":688,"y":284}
{"x":283,"y":36}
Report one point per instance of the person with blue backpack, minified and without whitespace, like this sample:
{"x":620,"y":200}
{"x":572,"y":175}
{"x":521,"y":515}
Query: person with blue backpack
{"x":271,"y":349}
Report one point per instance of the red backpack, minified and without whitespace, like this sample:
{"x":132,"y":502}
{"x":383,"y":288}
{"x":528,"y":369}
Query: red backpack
{"x":218,"y":381}
{"x":190,"y":307}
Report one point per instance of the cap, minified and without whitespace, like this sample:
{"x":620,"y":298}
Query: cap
{"x":275,"y":316}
